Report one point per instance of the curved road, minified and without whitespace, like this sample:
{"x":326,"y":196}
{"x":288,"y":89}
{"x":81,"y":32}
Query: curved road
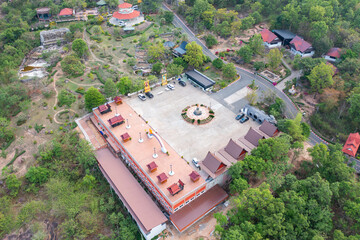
{"x":290,"y":109}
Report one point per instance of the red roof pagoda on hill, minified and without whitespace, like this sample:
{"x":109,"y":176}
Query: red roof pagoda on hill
{"x":66,"y":12}
{"x":352,"y":144}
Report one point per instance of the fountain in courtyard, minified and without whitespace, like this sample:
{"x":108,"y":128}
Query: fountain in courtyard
{"x":197,"y":112}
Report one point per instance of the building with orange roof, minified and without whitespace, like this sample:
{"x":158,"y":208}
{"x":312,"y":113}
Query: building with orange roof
{"x":352,"y":144}
{"x":301,"y":47}
{"x":333,"y":54}
{"x":270,"y":39}
{"x":126,"y":15}
{"x":66,"y":12}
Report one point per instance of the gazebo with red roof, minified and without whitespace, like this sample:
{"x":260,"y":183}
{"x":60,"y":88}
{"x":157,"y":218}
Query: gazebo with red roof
{"x":66,"y":12}
{"x":104,"y":108}
{"x":118,"y":100}
{"x":116,"y":121}
{"x":162,"y":177}
{"x":152,"y":166}
{"x":194,"y":176}
{"x":125,"y":137}
{"x":352,"y":144}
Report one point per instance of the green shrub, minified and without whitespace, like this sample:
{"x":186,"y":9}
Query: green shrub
{"x":37,"y":175}
{"x":13,"y":184}
{"x":21,"y":119}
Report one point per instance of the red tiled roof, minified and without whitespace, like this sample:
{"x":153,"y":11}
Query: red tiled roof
{"x":334,"y":52}
{"x":125,"y":136}
{"x":162,"y":177}
{"x":117,"y":99}
{"x":125,"y":5}
{"x":151,"y":166}
{"x":137,"y":201}
{"x":131,"y":15}
{"x":66,"y":12}
{"x":116,"y":119}
{"x":192,"y":212}
{"x":300,"y":44}
{"x":173,"y":189}
{"x":267,"y":35}
{"x":352,"y":144}
{"x":103,"y":108}
{"x":194,"y":176}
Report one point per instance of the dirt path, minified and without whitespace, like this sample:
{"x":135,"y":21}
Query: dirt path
{"x":60,"y":112}
{"x":56,"y":76}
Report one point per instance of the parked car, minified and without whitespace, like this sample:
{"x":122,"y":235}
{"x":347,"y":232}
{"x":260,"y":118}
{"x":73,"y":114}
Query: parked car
{"x":240,"y":116}
{"x":142,"y":97}
{"x":135,"y":7}
{"x":182,"y":83}
{"x":244,"y":119}
{"x":196,"y":162}
{"x":149,"y":94}
{"x":170,"y":86}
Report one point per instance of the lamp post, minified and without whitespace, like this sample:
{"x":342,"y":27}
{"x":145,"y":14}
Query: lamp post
{"x":140,"y":139}
{"x":155,"y":154}
{"x":171,"y":171}
{"x":127,"y":124}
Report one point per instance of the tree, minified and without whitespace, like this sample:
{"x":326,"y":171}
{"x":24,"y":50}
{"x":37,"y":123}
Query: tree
{"x":13,"y":184}
{"x":218,"y":63}
{"x":354,"y":112}
{"x":110,"y":88}
{"x":256,"y":44}
{"x":274,"y":58}
{"x":79,"y":46}
{"x":247,"y":22}
{"x":72,"y":66}
{"x":321,"y":77}
{"x":169,"y":17}
{"x":156,"y":51}
{"x":229,"y":71}
{"x":93,"y":98}
{"x":194,"y":54}
{"x":150,"y":6}
{"x":7,"y":133}
{"x":319,"y":30}
{"x":174,"y":70}
{"x":330,"y":164}
{"x":210,"y":41}
{"x":66,"y":98}
{"x":37,"y":175}
{"x":251,"y":97}
{"x":236,"y":27}
{"x":97,"y":30}
{"x":181,"y":62}
{"x":156,"y":68}
{"x":294,"y":128}
{"x":238,"y":185}
{"x":246,"y":53}
{"x":223,"y":29}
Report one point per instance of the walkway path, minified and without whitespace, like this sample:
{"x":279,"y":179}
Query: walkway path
{"x":294,"y":74}
{"x":290,"y":109}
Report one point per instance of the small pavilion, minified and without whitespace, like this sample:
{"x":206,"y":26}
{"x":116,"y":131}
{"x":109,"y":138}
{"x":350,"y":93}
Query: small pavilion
{"x":43,"y":14}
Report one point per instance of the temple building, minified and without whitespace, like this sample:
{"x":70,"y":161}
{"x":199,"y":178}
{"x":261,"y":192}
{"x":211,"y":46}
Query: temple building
{"x":126,"y":15}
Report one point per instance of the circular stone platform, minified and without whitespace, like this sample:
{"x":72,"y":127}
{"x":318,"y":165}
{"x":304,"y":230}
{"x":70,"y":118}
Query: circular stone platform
{"x":198,"y":114}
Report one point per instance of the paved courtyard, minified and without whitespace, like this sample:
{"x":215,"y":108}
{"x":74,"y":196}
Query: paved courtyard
{"x":163,"y":112}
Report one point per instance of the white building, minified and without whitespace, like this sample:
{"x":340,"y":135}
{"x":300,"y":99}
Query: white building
{"x":301,"y":47}
{"x":270,"y":39}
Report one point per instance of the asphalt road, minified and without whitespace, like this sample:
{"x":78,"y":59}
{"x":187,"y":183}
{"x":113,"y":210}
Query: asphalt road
{"x":290,"y":110}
